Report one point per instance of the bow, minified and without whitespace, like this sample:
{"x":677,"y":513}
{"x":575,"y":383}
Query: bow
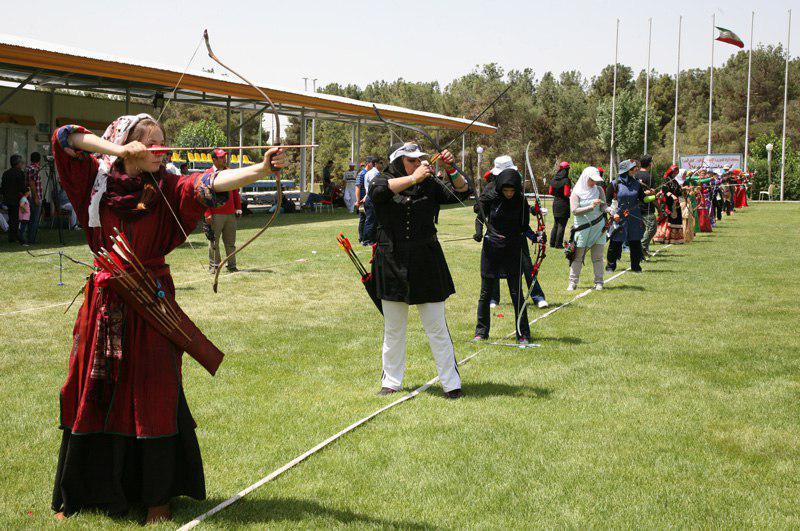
{"x":541,"y":247}
{"x":279,"y":193}
{"x":433,"y":142}
{"x":440,"y":149}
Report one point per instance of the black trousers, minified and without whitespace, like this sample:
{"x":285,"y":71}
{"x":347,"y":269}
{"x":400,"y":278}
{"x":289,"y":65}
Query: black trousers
{"x":485,"y":314}
{"x":615,"y":252}
{"x":13,"y":223}
{"x":557,"y":232}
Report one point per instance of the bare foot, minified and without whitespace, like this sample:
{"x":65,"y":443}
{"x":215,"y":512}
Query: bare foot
{"x":158,"y":514}
{"x":60,"y":515}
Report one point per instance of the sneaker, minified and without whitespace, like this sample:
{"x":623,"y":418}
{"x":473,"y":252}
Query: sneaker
{"x":386,"y":391}
{"x":478,"y":337}
{"x":598,"y":286}
{"x":233,"y":269}
{"x":542,"y":304}
{"x":571,"y":286}
{"x":610,"y":269}
{"x":523,"y":342}
{"x":492,"y":304}
{"x":212,"y":270}
{"x":455,"y":394}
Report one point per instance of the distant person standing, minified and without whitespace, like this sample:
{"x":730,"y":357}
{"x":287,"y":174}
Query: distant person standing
{"x":34,"y":182}
{"x":349,"y":194}
{"x":24,"y":216}
{"x":648,"y":210}
{"x":370,"y":221}
{"x":223,"y":219}
{"x":560,"y":188}
{"x":12,"y":187}
{"x":361,"y":195}
{"x":327,"y":178}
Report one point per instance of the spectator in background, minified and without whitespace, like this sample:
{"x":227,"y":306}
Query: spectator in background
{"x":327,"y":177}
{"x":64,"y":205}
{"x":370,"y":222}
{"x":34,"y":182}
{"x":560,"y":190}
{"x":361,"y":195}
{"x":184,"y":168}
{"x":12,"y":187}
{"x":349,"y":194}
{"x":223,"y":219}
{"x":24,"y":216}
{"x":648,"y":210}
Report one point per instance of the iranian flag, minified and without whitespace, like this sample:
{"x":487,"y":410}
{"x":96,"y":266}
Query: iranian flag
{"x":726,"y":35}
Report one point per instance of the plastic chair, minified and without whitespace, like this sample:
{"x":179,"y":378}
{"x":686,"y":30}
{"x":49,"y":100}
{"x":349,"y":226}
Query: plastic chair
{"x":768,"y":192}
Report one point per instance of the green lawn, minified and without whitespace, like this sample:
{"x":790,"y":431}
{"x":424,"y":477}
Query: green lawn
{"x":669,"y":399}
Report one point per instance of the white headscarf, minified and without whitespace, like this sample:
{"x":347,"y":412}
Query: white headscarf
{"x":582,"y":188}
{"x":681,"y":177}
{"x":117,"y":132}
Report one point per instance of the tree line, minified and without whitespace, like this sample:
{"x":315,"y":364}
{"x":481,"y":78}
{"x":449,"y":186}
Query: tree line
{"x":567,"y":116}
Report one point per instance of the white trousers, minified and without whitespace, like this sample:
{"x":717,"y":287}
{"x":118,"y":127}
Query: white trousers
{"x":395,"y":315}
{"x":349,"y":195}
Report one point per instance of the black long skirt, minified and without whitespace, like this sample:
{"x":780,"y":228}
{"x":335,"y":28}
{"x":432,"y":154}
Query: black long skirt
{"x":113,"y":472}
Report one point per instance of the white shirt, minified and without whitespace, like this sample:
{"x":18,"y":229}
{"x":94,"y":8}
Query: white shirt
{"x":371,"y":174}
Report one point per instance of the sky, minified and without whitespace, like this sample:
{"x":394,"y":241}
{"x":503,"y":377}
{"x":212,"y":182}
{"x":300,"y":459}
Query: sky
{"x":359,"y":41}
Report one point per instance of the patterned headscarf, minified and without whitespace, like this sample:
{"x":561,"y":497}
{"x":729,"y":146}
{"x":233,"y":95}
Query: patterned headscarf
{"x":117,"y":133}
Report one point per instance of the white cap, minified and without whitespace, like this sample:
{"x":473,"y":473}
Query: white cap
{"x":595,"y":175}
{"x":407,"y":150}
{"x":501,"y":163}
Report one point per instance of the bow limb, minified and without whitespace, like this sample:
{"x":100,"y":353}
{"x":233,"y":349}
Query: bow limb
{"x":279,"y":192}
{"x":541,"y":246}
{"x":439,"y":149}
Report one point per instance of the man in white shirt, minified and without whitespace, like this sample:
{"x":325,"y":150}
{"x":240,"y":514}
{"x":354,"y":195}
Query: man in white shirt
{"x":370,"y":228}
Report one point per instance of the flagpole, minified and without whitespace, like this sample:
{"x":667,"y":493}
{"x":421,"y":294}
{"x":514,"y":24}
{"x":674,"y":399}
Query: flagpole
{"x":747,"y":112}
{"x":785,"y":100}
{"x":647,"y":84}
{"x":711,"y":82}
{"x":614,"y":101}
{"x":677,"y":88}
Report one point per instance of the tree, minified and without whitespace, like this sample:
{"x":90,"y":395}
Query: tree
{"x":629,"y":127}
{"x":202,"y":133}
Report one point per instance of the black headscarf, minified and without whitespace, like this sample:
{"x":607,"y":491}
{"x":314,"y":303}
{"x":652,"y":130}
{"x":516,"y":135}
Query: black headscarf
{"x":560,"y":178}
{"x":396,"y":167}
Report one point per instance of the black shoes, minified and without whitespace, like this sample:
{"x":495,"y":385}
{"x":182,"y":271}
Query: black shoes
{"x":455,"y":394}
{"x":386,"y":391}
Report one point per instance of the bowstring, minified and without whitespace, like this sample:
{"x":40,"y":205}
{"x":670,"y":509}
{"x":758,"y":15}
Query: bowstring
{"x":175,"y":88}
{"x":178,"y":221}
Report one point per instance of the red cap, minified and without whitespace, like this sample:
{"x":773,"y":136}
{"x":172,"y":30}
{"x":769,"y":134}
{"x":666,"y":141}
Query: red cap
{"x":219,"y":153}
{"x":737,"y":172}
{"x":563,"y":164}
{"x":601,"y":170}
{"x":487,"y":175}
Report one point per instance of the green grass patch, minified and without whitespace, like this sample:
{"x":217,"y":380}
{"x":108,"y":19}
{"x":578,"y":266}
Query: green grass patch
{"x":670,"y":399}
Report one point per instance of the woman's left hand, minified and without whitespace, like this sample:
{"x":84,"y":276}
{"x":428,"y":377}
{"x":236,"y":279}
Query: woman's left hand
{"x":447,"y":157}
{"x":274,"y":159}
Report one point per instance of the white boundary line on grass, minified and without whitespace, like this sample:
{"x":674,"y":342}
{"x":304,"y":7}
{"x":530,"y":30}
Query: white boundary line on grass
{"x":302,"y":457}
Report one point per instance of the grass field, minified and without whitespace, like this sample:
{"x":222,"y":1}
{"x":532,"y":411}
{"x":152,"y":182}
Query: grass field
{"x":669,"y":399}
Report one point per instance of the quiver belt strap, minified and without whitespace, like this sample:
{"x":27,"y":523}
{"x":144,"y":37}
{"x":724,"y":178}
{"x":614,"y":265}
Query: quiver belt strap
{"x":166,"y":317}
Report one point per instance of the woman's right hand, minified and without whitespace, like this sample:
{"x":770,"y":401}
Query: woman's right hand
{"x":597,"y":202}
{"x":422,"y":172}
{"x":133,"y":149}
